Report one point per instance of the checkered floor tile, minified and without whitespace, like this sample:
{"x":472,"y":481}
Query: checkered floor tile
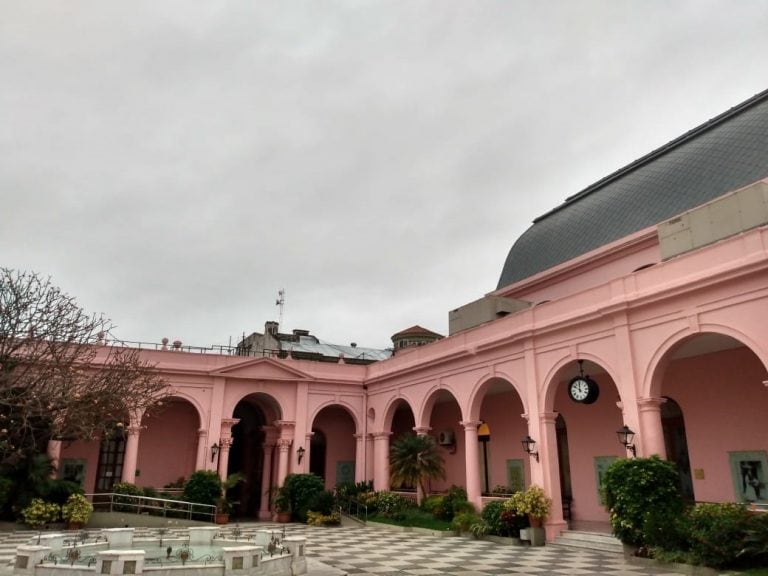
{"x":368,"y":551}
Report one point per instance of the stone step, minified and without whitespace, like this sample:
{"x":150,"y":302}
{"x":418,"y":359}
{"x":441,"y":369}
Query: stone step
{"x":589,"y":541}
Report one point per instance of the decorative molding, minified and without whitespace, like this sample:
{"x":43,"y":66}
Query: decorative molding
{"x":470,"y":424}
{"x":650,"y":404}
{"x":548,"y":417}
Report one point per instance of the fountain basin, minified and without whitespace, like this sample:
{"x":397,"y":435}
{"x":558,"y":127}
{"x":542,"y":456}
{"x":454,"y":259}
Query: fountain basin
{"x":115,"y":552}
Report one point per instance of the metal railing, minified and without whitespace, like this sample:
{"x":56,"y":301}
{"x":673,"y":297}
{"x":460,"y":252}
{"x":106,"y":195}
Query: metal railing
{"x":167,"y":508}
{"x":355,"y":509}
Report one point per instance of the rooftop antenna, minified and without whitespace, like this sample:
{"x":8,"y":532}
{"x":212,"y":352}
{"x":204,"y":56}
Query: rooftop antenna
{"x":280,"y":302}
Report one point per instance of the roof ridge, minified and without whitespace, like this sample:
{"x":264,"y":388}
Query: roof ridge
{"x":652,"y":155}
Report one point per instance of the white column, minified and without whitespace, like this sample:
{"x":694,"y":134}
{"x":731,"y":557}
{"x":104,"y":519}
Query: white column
{"x":472,"y":463}
{"x":131,"y":454}
{"x":202,"y":449}
{"x":54,"y":453}
{"x":284,"y":449}
{"x":381,"y":461}
{"x":651,"y":431}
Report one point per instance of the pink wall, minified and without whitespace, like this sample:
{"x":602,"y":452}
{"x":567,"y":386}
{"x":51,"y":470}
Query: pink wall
{"x":724,"y":404}
{"x":339,"y":429}
{"x":446,"y":416}
{"x":168,"y":445}
{"x":591,"y":433}
{"x":503,"y":414}
{"x":83,"y":451}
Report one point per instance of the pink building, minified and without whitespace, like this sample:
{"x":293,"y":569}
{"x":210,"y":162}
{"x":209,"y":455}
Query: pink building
{"x":642,"y":301}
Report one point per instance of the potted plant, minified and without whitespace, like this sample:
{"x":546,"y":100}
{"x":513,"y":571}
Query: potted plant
{"x":533,"y":503}
{"x":77,"y":511}
{"x":224,"y":507}
{"x":281,"y":502}
{"x":39,"y":513}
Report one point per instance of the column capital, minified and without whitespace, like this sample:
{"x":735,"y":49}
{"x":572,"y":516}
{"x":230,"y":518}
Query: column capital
{"x":285,"y":424}
{"x":202,"y":433}
{"x":225,"y":443}
{"x":470,"y":424}
{"x":650,"y":404}
{"x":381,"y":435}
{"x":284,"y":444}
{"x":548,"y":417}
{"x":227,"y":423}
{"x":133,"y":430}
{"x":422,"y":430}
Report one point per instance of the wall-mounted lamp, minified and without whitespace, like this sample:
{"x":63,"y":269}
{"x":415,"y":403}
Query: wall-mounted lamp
{"x":625,"y":438}
{"x":528,"y":445}
{"x":300,"y":453}
{"x":214,"y":451}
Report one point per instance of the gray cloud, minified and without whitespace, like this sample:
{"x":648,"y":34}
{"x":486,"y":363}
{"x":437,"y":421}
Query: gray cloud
{"x":174,"y":164}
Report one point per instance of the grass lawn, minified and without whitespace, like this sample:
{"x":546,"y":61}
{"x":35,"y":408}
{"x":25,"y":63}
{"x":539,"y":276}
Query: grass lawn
{"x":415,"y":517}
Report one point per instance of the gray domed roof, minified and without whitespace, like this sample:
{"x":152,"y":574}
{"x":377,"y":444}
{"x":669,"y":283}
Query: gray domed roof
{"x":726,"y":153}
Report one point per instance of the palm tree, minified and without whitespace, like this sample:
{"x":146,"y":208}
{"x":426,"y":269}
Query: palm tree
{"x":413,"y":460}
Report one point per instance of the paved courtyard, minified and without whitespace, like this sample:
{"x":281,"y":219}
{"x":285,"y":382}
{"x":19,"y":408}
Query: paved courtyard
{"x":369,"y":551}
{"x":365,"y":551}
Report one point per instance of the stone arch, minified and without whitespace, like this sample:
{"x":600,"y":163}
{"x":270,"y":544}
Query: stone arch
{"x":338,"y":424}
{"x":356,"y":418}
{"x":716,"y":376}
{"x":428,"y":402}
{"x":169,"y":436}
{"x":267,"y":403}
{"x":391,"y":407}
{"x":496,"y":402}
{"x":485,"y":383}
{"x":552,"y":378}
{"x":661,"y":357}
{"x":202,"y":415}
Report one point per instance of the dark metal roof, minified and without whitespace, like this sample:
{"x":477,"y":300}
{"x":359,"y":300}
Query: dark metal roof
{"x":723,"y":154}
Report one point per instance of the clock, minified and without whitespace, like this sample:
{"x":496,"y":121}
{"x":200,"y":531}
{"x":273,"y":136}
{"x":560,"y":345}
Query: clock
{"x":583,"y":389}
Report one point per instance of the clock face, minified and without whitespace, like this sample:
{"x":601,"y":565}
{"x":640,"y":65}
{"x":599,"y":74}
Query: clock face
{"x":579,"y":389}
{"x":583,"y":389}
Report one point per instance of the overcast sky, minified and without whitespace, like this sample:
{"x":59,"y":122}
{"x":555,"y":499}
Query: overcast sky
{"x":174,"y":164}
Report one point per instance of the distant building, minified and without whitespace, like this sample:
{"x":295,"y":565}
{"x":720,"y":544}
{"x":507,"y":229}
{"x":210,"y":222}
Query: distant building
{"x":414,"y":336}
{"x":301,"y":345}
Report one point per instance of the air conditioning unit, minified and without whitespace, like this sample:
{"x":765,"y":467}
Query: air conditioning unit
{"x":446,"y":438}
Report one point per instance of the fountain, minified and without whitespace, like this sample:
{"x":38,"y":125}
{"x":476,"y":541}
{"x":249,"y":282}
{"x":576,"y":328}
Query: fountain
{"x":201,"y":552}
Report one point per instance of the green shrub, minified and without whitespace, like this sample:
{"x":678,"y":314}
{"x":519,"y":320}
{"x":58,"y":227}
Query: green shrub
{"x":59,"y":491}
{"x":323,"y":502}
{"x":756,"y":540}
{"x":479,"y":528}
{"x":501,"y":520}
{"x":368,"y":499}
{"x":39,"y":513}
{"x":636,"y":487}
{"x":717,"y":533}
{"x":126,"y":504}
{"x":203,"y":487}
{"x":391,"y":505}
{"x":432,"y":503}
{"x":453,"y":503}
{"x":150,"y":492}
{"x":319,"y":519}
{"x":666,"y":530}
{"x":301,"y":489}
{"x":464,"y":520}
{"x":77,"y":509}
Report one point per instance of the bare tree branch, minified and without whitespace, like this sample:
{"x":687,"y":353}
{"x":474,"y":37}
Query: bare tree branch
{"x":58,"y":379}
